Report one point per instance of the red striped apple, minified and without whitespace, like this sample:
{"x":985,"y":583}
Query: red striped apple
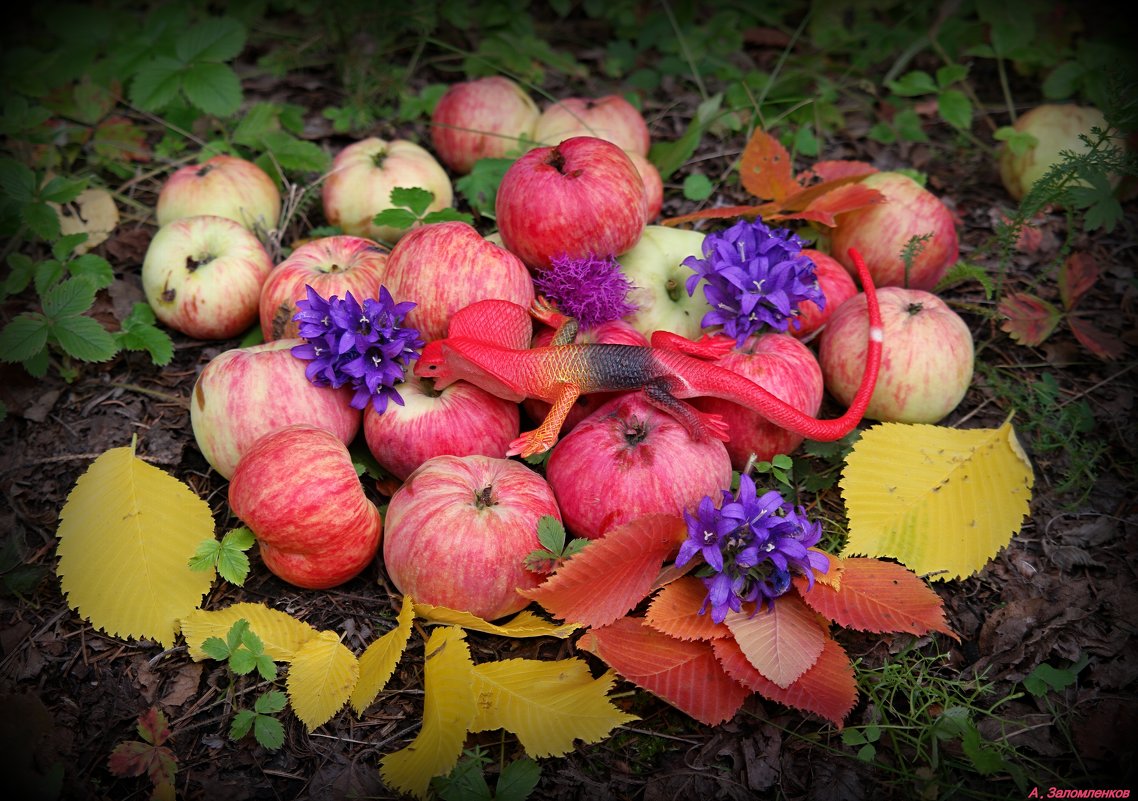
{"x":458,"y":420}
{"x":837,"y":287}
{"x":926,"y":360}
{"x":442,"y":267}
{"x":203,"y":276}
{"x":490,"y":117}
{"x":298,"y":492}
{"x":787,"y":369}
{"x":610,"y":117}
{"x":881,"y":232}
{"x":459,"y":530}
{"x":244,"y":393}
{"x":225,"y":186}
{"x":629,"y":459}
{"x":583,"y":197}
{"x":653,"y":184}
{"x":363,"y":175}
{"x":331,"y":265}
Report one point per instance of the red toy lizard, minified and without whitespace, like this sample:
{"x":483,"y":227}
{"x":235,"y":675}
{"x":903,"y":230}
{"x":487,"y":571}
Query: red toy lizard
{"x":488,"y":344}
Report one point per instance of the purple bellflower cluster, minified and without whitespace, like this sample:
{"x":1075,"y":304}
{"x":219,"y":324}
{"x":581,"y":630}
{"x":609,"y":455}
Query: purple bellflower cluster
{"x":590,"y":289}
{"x":756,"y":276}
{"x":359,"y":345}
{"x":750,"y":546}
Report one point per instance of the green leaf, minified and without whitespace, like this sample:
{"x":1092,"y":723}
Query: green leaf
{"x":949,"y":74}
{"x":156,"y":84}
{"x":92,"y":268}
{"x":1101,"y":207}
{"x":68,"y":298}
{"x":17,"y":181}
{"x":231,"y":560}
{"x":259,"y":120}
{"x":266,"y":667}
{"x":913,"y":84}
{"x":271,"y":702}
{"x":214,"y":88}
{"x":48,"y":274}
{"x":153,"y":340}
{"x":62,"y":190}
{"x":955,"y":108}
{"x":551,"y":533}
{"x":66,"y":245}
{"x":242,"y":662}
{"x":448,"y":215}
{"x":252,"y":642}
{"x":215,"y":648}
{"x":205,"y":555}
{"x":1019,"y":142}
{"x":480,"y":185}
{"x":21,"y":269}
{"x":84,"y":339}
{"x":269,"y":732}
{"x":395,"y":218}
{"x":23,"y":338}
{"x":218,"y":39}
{"x":517,"y":781}
{"x":1044,"y":677}
{"x":414,"y":198}
{"x":697,"y":186}
{"x":909,"y":126}
{"x":37,"y":364}
{"x":1063,"y":81}
{"x":242,"y":721}
{"x":42,"y":220}
{"x":296,"y":154}
{"x":985,"y":759}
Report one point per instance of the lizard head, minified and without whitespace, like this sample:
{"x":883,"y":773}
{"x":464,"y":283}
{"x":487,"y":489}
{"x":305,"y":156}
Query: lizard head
{"x":432,"y":363}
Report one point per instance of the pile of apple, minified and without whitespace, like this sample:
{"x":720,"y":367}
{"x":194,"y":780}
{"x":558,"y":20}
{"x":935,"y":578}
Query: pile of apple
{"x":464,"y":516}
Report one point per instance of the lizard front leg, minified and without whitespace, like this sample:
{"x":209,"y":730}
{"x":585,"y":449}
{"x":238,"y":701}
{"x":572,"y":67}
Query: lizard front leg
{"x":565,"y":328}
{"x":544,"y":436}
{"x":699,"y":425}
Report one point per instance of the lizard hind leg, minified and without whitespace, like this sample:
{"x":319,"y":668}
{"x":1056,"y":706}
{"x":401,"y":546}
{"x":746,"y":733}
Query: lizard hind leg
{"x":699,"y":425}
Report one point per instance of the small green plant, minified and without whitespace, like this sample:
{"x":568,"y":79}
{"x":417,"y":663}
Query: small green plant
{"x":267,"y":730}
{"x":1054,"y":427}
{"x":150,"y":755}
{"x":554,"y":549}
{"x":228,"y":556}
{"x":952,"y":103}
{"x":1045,"y":678}
{"x":467,"y":782}
{"x":410,"y":209}
{"x":243,"y":650}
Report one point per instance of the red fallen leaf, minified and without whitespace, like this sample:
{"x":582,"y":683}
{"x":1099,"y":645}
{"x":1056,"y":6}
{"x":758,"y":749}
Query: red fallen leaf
{"x":721,"y":213}
{"x":766,"y":169}
{"x":1029,"y":320}
{"x":782,"y":641}
{"x":833,"y":170}
{"x":1103,"y":345}
{"x":880,"y":597}
{"x":119,"y":139}
{"x":151,"y":757}
{"x":685,"y":674}
{"x":675,"y":612}
{"x":612,"y":574}
{"x":1077,"y":275}
{"x":828,"y":689}
{"x":827,"y":206}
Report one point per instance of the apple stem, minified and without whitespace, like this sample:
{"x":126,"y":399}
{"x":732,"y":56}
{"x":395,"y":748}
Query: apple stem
{"x":915,"y":308}
{"x":673,"y":289}
{"x":484,"y":497}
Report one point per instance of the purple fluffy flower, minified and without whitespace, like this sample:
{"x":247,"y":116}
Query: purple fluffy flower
{"x":754,"y":276}
{"x":750,"y":547}
{"x":590,"y":289}
{"x":359,"y":345}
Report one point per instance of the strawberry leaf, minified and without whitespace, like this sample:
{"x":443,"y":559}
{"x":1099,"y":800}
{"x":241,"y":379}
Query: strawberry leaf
{"x":1103,"y":345}
{"x":1077,"y":275}
{"x":1028,"y":319}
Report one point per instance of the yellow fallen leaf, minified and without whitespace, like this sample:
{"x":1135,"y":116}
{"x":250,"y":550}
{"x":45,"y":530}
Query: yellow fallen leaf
{"x":523,"y":624}
{"x":92,"y":212}
{"x":377,"y":664}
{"x":126,"y":535}
{"x":281,"y":633}
{"x":320,"y":679}
{"x":547,"y":705}
{"x":940,"y":500}
{"x":448,"y":709}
